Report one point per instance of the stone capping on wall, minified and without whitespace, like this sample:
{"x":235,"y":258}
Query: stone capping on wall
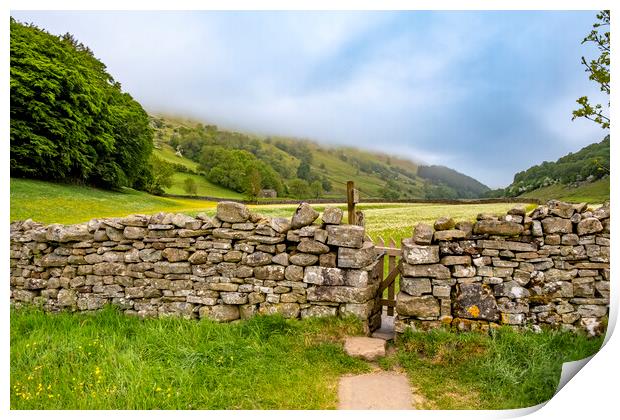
{"x":548,"y":267}
{"x":227,"y":267}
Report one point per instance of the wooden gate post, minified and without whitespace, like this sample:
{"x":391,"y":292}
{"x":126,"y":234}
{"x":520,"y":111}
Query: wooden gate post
{"x":351,"y":202}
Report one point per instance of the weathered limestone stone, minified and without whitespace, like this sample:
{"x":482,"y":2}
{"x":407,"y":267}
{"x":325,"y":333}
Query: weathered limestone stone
{"x":319,"y":311}
{"x":350,"y":236}
{"x":134,"y":232}
{"x":419,"y":254}
{"x":324,"y":276}
{"x":357,"y":278}
{"x":139,"y":220}
{"x":287,"y":310}
{"x":67,"y":297}
{"x":332,"y":216}
{"x":512,"y":290}
{"x":496,"y":227}
{"x":423,"y":234}
{"x":558,"y":208}
{"x":536,"y":228}
{"x":231,"y":212}
{"x":269,"y":272}
{"x":457,"y":260}
{"x":60,"y":233}
{"x":304,"y":215}
{"x":356,"y":258}
{"x":228,"y":233}
{"x":175,"y":254}
{"x":310,"y":246}
{"x":53,"y":260}
{"x":281,"y":259}
{"x":164,"y":267}
{"x":328,"y":260}
{"x":415,"y":286}
{"x":303,"y":259}
{"x":444,"y":223}
{"x":426,"y":270}
{"x":220,"y":313}
{"x":449,"y":235}
{"x":475,"y":301}
{"x":257,"y":258}
{"x":234,"y":298}
{"x":589,"y":226}
{"x":340,"y":294}
{"x":294,"y":273}
{"x":557,"y":225}
{"x":508,"y":245}
{"x":421,"y":307}
{"x":280,"y":224}
{"x":366,"y":348}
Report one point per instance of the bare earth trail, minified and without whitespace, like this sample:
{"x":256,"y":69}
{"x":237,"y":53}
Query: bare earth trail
{"x":378,"y":390}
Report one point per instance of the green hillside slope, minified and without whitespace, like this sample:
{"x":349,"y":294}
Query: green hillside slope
{"x":587,"y":165}
{"x":592,"y":192}
{"x":296,"y":168}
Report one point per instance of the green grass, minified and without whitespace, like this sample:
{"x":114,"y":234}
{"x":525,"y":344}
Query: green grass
{"x":108,"y":360}
{"x":506,"y":369}
{"x":595,"y":192}
{"x":48,"y":202}
{"x":204,"y":187}
{"x":396,"y":220}
{"x":167,"y":153}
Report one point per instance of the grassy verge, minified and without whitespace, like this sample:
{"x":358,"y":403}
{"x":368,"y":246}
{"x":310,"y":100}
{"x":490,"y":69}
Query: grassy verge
{"x":504,"y":370}
{"x":110,"y":361}
{"x":203,"y":187}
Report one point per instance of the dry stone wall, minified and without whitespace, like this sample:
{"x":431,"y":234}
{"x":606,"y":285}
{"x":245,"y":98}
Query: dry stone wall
{"x":231,"y":266}
{"x":548,"y":267}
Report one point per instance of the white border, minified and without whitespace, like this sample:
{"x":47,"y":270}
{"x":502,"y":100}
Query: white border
{"x":591,"y":394}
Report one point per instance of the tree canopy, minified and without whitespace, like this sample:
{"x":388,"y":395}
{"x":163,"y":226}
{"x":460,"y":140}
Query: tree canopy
{"x":598,"y":69}
{"x":70,"y":120}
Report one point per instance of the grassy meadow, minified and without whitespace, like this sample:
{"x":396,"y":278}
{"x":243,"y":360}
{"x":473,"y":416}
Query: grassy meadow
{"x":49,"y":202}
{"x":595,"y":192}
{"x":107,"y":360}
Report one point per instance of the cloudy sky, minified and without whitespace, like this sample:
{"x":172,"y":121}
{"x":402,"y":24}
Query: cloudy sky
{"x":486,"y":93}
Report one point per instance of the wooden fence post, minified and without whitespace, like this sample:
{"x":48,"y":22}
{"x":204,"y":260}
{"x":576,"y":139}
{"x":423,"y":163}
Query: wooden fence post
{"x":351,"y":202}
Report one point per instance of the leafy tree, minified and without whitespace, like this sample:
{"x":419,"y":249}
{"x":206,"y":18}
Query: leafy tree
{"x":390,"y":190}
{"x":303,"y":171}
{"x":254,"y":183}
{"x":190,"y":186}
{"x":598,"y":70}
{"x":299,"y":188}
{"x":156,"y":176}
{"x":326,"y":184}
{"x":69,"y":118}
{"x":316,"y":189}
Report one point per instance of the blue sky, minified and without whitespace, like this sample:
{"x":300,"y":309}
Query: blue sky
{"x":486,"y":93}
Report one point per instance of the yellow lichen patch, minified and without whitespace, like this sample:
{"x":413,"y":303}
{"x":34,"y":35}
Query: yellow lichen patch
{"x":474,"y":311}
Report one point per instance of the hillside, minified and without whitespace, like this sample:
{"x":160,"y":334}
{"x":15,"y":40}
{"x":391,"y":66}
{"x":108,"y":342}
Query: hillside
{"x":296,"y":168}
{"x":565,"y":175}
{"x":590,"y":192}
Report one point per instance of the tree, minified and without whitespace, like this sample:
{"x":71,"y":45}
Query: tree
{"x":190,"y":186}
{"x":326,"y":184}
{"x":303,"y":171}
{"x":299,"y":188}
{"x":598,"y":70}
{"x":316,"y":189}
{"x":254,"y":183}
{"x":390,"y":190}
{"x":70,"y":119}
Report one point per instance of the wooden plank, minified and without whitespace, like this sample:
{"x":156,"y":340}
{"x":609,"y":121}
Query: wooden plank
{"x":350,"y":202}
{"x":391,"y":267}
{"x":391,"y":304}
{"x":390,"y":278}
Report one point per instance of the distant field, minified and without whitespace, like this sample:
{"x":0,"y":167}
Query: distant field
{"x":396,"y":220}
{"x":49,"y":202}
{"x":168,"y":154}
{"x":596,"y":192}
